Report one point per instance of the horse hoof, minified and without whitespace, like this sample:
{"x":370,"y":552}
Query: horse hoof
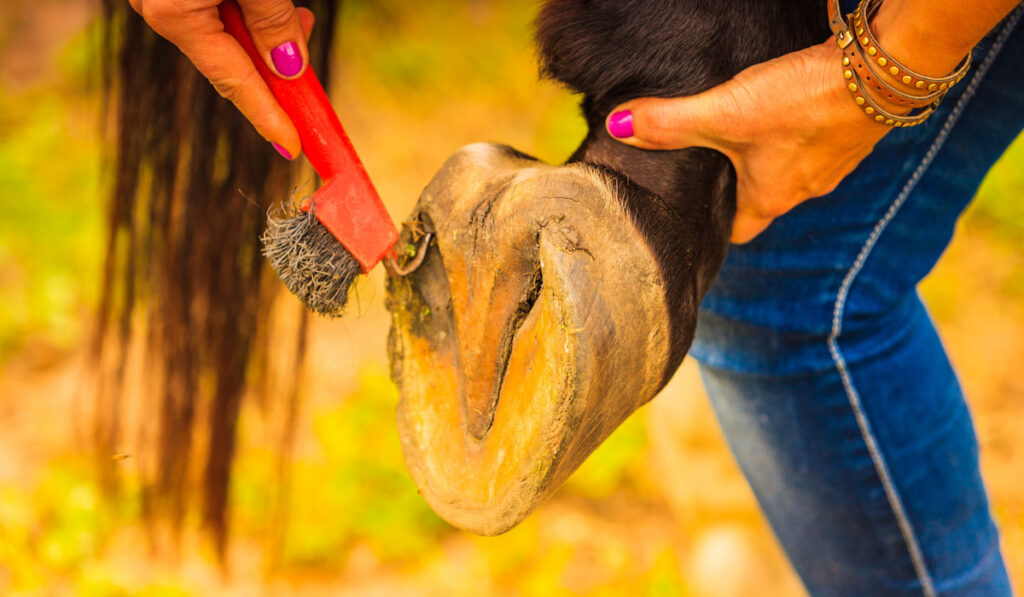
{"x":535,"y":325}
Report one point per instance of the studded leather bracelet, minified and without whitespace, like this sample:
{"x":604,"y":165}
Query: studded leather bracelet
{"x":862,"y":26}
{"x":854,"y":63}
{"x":880,"y":114}
{"x":868,"y":68}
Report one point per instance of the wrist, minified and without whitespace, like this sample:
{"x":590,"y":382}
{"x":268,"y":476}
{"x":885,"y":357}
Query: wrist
{"x":918,"y":39}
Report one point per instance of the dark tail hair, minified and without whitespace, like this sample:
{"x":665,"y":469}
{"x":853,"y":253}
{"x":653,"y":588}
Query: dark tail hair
{"x":184,"y":283}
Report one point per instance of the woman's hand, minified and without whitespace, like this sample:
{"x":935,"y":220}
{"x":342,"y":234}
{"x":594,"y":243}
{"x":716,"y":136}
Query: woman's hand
{"x":789,"y":126}
{"x":278,"y":29}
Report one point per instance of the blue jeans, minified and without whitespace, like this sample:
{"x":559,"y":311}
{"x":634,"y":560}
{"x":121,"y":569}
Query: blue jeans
{"x":829,"y":379}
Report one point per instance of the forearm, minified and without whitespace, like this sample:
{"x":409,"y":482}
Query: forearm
{"x":932,"y":36}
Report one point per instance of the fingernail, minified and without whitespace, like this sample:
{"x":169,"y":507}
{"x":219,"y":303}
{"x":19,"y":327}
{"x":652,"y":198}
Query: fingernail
{"x":620,"y":125}
{"x":282,"y":151}
{"x":287,"y":59}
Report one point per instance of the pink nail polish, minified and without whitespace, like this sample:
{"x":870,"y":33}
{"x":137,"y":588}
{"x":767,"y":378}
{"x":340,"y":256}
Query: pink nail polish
{"x":287,"y":59}
{"x":282,"y":151}
{"x":620,"y":125}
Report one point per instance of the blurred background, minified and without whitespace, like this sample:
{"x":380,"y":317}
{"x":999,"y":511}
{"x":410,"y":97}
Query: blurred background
{"x":659,"y":509}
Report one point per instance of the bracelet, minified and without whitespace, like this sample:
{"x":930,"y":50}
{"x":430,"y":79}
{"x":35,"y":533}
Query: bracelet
{"x":861,"y":25}
{"x":861,"y":52}
{"x":880,"y":114}
{"x":853,"y":62}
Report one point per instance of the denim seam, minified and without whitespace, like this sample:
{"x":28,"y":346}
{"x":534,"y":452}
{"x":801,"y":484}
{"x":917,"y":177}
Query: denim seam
{"x":881,"y":468}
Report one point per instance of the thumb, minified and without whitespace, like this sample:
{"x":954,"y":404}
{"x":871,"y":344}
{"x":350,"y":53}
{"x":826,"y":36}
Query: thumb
{"x":277,"y":31}
{"x":667,"y":123}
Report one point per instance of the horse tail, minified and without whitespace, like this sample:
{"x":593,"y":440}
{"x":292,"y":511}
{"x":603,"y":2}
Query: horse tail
{"x":186,"y":293}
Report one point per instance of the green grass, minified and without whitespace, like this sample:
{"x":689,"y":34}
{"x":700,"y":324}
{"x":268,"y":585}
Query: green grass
{"x":51,"y":224}
{"x":354,"y":491}
{"x":53,"y":529}
{"x":999,"y":203}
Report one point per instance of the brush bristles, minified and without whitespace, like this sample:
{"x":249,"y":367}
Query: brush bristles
{"x":313,"y":265}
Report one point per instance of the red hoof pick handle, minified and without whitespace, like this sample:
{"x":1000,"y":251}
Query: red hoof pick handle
{"x":319,"y":250}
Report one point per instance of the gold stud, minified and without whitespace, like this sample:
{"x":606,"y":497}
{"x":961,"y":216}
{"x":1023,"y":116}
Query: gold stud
{"x":852,"y":87}
{"x":919,"y":84}
{"x":848,"y":74}
{"x":846,"y":61}
{"x":906,"y":79}
{"x":860,"y":31}
{"x":879,"y":118}
{"x":872,"y":50}
{"x":882,"y":62}
{"x":932,"y":87}
{"x":864,"y":40}
{"x":894,"y":71}
{"x":859,"y":100}
{"x":943,"y":86}
{"x":890,"y":122}
{"x":869,"y":110}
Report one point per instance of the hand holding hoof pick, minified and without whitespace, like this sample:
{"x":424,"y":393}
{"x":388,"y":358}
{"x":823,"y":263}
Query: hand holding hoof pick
{"x":343,"y":230}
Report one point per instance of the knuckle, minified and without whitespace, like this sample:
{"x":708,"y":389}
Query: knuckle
{"x":157,"y":12}
{"x":828,"y":188}
{"x":818,"y":184}
{"x":239,"y":90}
{"x":776,"y":209}
{"x":232,"y":85}
{"x":277,"y":19}
{"x":772,"y":207}
{"x":229,"y":88}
